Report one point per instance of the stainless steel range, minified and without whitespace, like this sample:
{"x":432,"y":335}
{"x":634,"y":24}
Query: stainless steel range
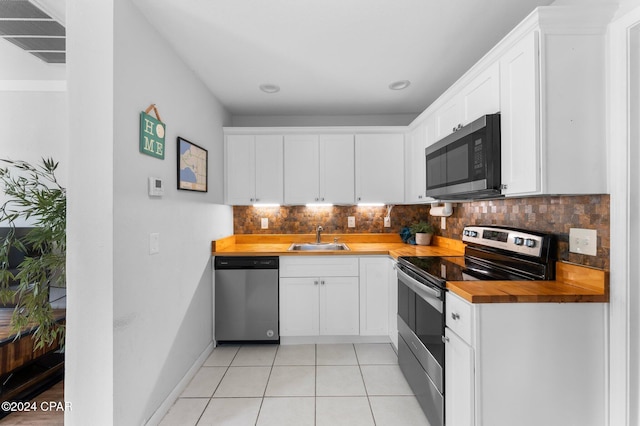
{"x":492,"y":253}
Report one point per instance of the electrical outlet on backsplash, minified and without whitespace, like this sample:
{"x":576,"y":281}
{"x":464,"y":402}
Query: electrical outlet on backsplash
{"x":551,"y":214}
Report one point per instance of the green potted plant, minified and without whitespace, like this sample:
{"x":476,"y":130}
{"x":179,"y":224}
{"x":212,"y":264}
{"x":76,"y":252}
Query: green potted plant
{"x":33,"y":194}
{"x":423,"y":232}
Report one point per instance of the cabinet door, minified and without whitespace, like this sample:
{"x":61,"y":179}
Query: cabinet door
{"x":449,"y":117}
{"x":299,"y":306}
{"x":339,"y":313}
{"x":393,"y":303}
{"x":269,"y":169}
{"x":520,"y":138}
{"x":482,"y":95}
{"x":415,"y":160}
{"x":459,"y":381}
{"x":240,"y":170}
{"x":301,"y":169}
{"x":337,"y":174}
{"x":374,"y":296}
{"x":380,"y":168}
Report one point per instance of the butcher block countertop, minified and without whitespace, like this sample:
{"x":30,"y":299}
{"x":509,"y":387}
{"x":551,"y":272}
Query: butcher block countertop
{"x":359,"y":244}
{"x":574,"y":283}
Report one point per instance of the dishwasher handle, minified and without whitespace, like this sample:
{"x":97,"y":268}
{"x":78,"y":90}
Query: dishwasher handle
{"x":246,"y":262}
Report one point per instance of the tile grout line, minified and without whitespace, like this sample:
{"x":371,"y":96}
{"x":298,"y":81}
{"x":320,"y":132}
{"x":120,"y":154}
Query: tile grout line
{"x":365,"y":386}
{"x":217,"y":386}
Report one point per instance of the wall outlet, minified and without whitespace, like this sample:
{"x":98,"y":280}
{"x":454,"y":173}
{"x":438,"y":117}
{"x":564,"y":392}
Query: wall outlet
{"x":154,"y":243}
{"x":387,"y":222}
{"x":583,"y":241}
{"x":351,"y":221}
{"x":264,"y":223}
{"x":443,"y":222}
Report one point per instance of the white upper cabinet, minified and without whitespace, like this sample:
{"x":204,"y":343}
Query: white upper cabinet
{"x":518,"y":120}
{"x":547,"y":80}
{"x":479,"y":97}
{"x":337,"y":169}
{"x":482,"y":95}
{"x":253,"y":169}
{"x":380,"y":168}
{"x":553,"y":105}
{"x":415,"y":161}
{"x":319,"y":169}
{"x":448,"y":118}
{"x":301,"y":169}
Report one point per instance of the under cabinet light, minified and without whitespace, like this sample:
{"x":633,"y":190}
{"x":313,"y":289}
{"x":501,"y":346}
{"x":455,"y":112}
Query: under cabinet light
{"x":260,"y":205}
{"x":319,"y":205}
{"x":370,"y":204}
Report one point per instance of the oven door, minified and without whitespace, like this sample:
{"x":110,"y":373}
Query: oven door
{"x":420,"y":342}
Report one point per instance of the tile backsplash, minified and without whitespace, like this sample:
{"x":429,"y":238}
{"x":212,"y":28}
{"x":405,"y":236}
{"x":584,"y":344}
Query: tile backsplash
{"x":551,"y":214}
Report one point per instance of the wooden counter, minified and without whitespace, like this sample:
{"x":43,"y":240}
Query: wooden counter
{"x":574,"y":283}
{"x":359,"y":245}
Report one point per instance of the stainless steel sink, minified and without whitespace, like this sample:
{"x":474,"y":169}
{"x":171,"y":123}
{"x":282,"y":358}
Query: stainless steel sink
{"x":317,"y":246}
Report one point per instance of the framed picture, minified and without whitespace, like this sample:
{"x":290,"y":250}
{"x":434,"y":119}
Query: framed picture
{"x":192,"y":166}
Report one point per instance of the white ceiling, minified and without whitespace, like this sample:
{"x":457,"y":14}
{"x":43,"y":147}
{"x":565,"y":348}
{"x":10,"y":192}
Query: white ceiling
{"x":332,"y":56}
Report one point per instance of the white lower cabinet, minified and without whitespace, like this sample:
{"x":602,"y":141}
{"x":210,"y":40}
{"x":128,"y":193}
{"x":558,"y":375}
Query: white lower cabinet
{"x":460,"y":376}
{"x":319,"y":296}
{"x":319,"y":306}
{"x":335,"y":296}
{"x":374,"y":296}
{"x":525,"y":364}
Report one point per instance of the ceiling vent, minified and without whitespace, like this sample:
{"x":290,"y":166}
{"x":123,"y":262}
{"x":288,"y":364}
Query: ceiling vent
{"x":28,"y":27}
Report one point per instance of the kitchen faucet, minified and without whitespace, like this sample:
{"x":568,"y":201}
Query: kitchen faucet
{"x":318,"y":231}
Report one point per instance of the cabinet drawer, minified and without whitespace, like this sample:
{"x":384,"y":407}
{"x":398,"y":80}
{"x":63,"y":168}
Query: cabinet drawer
{"x":319,"y":266}
{"x":459,"y":316}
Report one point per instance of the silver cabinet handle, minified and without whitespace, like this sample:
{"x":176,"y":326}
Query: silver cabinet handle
{"x":322,"y":282}
{"x":315,"y":282}
{"x":445,"y":339}
{"x":455,"y":316}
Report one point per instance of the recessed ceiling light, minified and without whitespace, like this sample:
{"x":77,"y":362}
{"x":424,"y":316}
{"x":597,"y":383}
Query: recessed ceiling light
{"x":399,"y":85}
{"x":270,"y":88}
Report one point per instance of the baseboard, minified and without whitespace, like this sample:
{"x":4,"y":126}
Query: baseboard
{"x":162,"y":410}
{"x":302,"y":340}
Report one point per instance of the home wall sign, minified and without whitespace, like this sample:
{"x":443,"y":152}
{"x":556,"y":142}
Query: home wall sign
{"x":152,"y":131}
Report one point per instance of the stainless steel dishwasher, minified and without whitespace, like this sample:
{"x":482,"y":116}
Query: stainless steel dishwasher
{"x":246,"y":298}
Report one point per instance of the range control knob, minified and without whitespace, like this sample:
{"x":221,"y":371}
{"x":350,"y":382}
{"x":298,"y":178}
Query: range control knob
{"x":473,"y":234}
{"x":518,"y":241}
{"x":529,"y":242}
{"x":465,"y":233}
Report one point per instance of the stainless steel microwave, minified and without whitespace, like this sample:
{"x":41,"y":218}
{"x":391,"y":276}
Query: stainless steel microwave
{"x":466,"y":164}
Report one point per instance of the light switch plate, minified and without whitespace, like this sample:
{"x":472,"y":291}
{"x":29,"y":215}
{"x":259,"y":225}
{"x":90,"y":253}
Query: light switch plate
{"x":387,"y":222}
{"x":154,"y":243}
{"x":583,"y":241}
{"x":351,"y":221}
{"x":443,"y":222}
{"x":264,"y":223}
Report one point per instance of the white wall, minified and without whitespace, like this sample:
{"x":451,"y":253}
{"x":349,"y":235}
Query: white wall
{"x":157,"y":309}
{"x":162,"y":304}
{"x":89,"y":343}
{"x":33,"y":110}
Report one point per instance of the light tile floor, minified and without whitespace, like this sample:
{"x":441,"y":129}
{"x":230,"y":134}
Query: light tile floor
{"x":316,"y":385}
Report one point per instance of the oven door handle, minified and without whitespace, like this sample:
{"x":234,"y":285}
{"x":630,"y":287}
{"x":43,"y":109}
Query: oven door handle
{"x":417,"y":285}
